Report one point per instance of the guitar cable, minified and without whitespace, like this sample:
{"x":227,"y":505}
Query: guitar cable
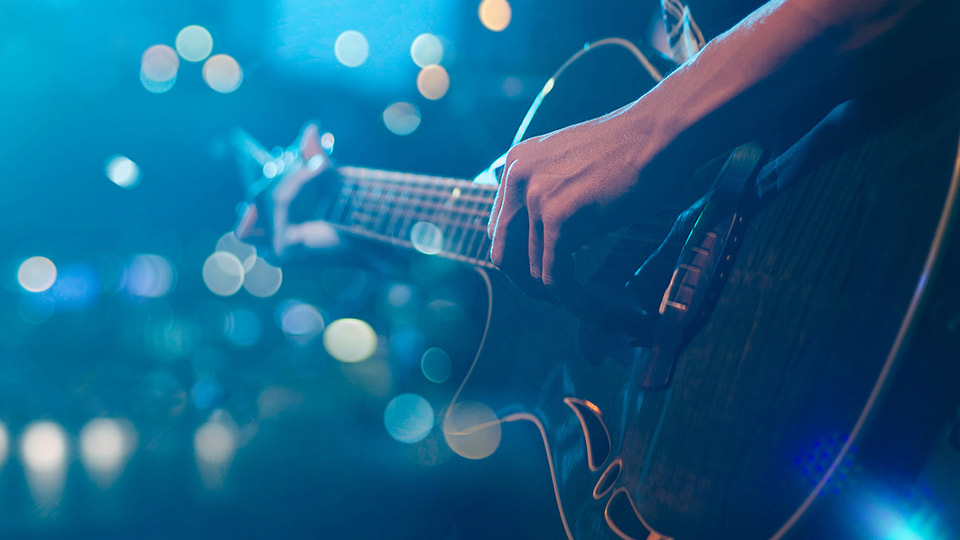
{"x":626,"y":44}
{"x":491,"y":175}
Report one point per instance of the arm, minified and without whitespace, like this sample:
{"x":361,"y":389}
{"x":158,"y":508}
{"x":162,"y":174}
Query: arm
{"x":561,"y":189}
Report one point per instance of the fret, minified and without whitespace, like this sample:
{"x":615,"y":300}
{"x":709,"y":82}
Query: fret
{"x":343,"y":202}
{"x":386,"y":205}
{"x":381,"y":196}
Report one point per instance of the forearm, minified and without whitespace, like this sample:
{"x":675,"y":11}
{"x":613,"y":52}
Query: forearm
{"x":790,"y":54}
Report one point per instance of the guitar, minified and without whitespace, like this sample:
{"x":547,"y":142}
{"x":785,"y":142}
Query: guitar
{"x":797,"y":349}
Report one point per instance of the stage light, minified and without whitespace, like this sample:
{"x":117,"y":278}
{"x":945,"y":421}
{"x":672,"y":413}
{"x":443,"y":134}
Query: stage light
{"x":426,"y":238}
{"x":435,"y":364}
{"x":350,"y":340}
{"x":242,"y":327}
{"x":43,"y":447}
{"x":401,"y":118}
{"x":37,"y":274}
{"x":472,"y":430}
{"x":223,"y":273}
{"x":122,"y":171}
{"x":351,"y":48}
{"x":158,"y":68}
{"x":495,"y":14}
{"x":105,"y":446}
{"x":426,"y":50}
{"x":194,"y":43}
{"x":222,"y":73}
{"x":150,"y":276}
{"x":408,"y":418}
{"x":300,"y":319}
{"x":261,"y":279}
{"x":433,"y":82}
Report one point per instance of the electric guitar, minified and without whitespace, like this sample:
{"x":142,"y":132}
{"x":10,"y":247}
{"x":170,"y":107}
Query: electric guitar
{"x":777,"y":359}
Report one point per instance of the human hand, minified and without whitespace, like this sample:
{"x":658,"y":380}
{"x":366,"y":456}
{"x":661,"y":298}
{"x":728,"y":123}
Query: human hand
{"x":278,"y":219}
{"x":560,"y":190}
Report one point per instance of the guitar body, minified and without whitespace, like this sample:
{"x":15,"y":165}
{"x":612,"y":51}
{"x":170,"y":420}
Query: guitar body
{"x":789,"y":392}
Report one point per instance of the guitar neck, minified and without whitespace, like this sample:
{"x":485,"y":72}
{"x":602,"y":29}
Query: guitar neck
{"x":433,"y":215}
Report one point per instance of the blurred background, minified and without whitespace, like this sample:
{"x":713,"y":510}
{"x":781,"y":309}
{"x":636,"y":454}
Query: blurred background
{"x":158,"y":378}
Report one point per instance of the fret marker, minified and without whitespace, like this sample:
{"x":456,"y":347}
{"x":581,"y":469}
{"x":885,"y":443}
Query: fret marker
{"x":426,"y":238}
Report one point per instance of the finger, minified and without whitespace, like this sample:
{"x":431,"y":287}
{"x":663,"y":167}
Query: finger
{"x":535,"y":244}
{"x":558,"y":269}
{"x":279,"y":243}
{"x":247,"y":224}
{"x":498,"y":201}
{"x":310,"y":142}
{"x":495,"y":231}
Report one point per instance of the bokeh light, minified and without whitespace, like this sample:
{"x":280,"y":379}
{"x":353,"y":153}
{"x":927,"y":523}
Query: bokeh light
{"x":214,"y":446}
{"x":194,"y":43}
{"x":402,"y":118}
{"x":105,"y":447}
{"x":223,"y":273}
{"x":158,"y":68}
{"x":408,"y":418}
{"x":426,"y":238}
{"x":433,"y":82}
{"x":150,"y":276}
{"x":300,"y":319}
{"x":399,"y":295}
{"x":426,"y":50}
{"x":215,"y":442}
{"x":326,"y":142}
{"x":43,"y":447}
{"x":77,"y":287}
{"x":4,"y":444}
{"x":122,"y":171}
{"x":261,"y":278}
{"x":37,"y":274}
{"x":350,"y":340}
{"x":206,"y":393}
{"x":242,"y":327}
{"x":435,"y":364}
{"x":495,"y":14}
{"x":244,"y":251}
{"x":222,"y":73}
{"x":472,"y":429}
{"x":351,"y":48}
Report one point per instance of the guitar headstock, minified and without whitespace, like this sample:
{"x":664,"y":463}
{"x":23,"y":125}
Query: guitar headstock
{"x":281,"y":194}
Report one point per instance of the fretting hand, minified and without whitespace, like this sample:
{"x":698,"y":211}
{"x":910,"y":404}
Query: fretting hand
{"x":279,"y":220}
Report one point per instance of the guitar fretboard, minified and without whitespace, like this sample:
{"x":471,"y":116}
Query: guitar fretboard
{"x":434,"y":215}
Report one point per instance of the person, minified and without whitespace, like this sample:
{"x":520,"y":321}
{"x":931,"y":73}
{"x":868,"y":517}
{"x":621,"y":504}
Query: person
{"x":786,"y":63}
